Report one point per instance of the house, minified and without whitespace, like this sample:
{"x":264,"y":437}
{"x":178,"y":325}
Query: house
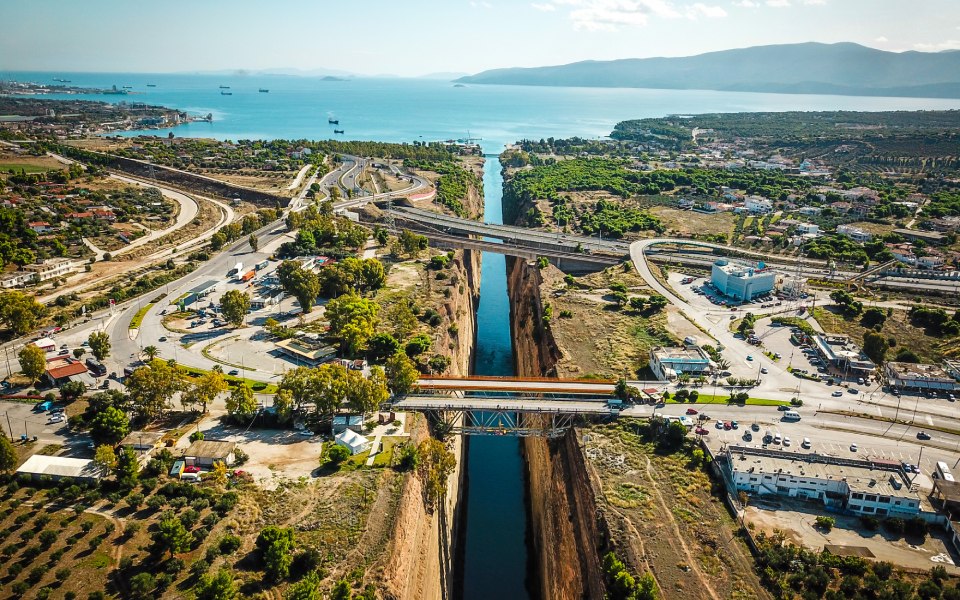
{"x":16,"y":279}
{"x":810,"y":211}
{"x":61,"y":370}
{"x":344,"y":422}
{"x":142,"y":441}
{"x":56,"y":468}
{"x":352,"y":441}
{"x":903,"y":253}
{"x":206,"y":453}
{"x":50,"y":269}
{"x":40,"y":227}
{"x":931,"y":261}
{"x":854,"y":233}
{"x":808,"y":228}
{"x":757,"y":204}
{"x":841,"y":207}
{"x":46,"y":344}
{"x":305,"y":351}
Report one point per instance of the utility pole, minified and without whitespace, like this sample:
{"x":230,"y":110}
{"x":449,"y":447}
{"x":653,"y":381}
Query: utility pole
{"x":9,"y":426}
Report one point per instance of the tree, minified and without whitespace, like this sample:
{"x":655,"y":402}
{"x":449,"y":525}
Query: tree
{"x":142,"y":585}
{"x":241,"y":403}
{"x":109,"y":426}
{"x":218,"y":587}
{"x":219,"y":473}
{"x":337,"y":454}
{"x":99,"y":344}
{"x":436,"y":464}
{"x":875,"y":346}
{"x":637,"y":303}
{"x":151,"y":352}
{"x":128,"y":469}
{"x":171,"y":536}
{"x":418,"y":344}
{"x":8,"y":454}
{"x":402,"y":374}
{"x":341,"y":591}
{"x":276,"y":549}
{"x":218,"y":240}
{"x":205,"y":390}
{"x":399,"y":315}
{"x":72,"y":390}
{"x":151,"y":388}
{"x":299,"y":283}
{"x":20,"y":312}
{"x":366,"y":394}
{"x":234,"y":304}
{"x":657,"y":302}
{"x":33,"y":362}
{"x":353,"y":321}
{"x":105,"y":458}
{"x":254,"y":242}
{"x":381,"y":346}
{"x":78,"y":352}
{"x":873,"y":317}
{"x":307,"y":588}
{"x":283,"y":406}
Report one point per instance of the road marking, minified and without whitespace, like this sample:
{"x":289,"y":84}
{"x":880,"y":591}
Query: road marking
{"x":879,"y":412}
{"x":929,"y":420}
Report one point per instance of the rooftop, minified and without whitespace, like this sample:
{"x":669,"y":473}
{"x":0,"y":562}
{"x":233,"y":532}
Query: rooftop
{"x":60,"y":466}
{"x":210,"y":449}
{"x":680,"y":354}
{"x":859,"y":475}
{"x":741,"y":270}
{"x":58,"y":368}
{"x":205,"y":286}
{"x":917,"y":371}
{"x":305,"y":349}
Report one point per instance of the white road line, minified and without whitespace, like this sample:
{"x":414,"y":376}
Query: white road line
{"x":929,"y":420}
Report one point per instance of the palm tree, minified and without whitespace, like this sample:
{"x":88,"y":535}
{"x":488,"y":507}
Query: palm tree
{"x":723,"y":364}
{"x":151,"y":352}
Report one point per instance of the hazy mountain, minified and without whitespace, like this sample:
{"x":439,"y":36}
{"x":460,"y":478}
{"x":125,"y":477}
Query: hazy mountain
{"x":444,"y":75}
{"x":810,"y":68}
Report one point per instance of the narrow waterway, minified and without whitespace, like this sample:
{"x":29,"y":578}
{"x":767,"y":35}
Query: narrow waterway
{"x":494,"y":545}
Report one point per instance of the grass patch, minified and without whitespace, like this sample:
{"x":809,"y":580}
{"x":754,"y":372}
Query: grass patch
{"x":29,"y":169}
{"x":712,"y":399}
{"x":258,"y":387}
{"x":137,"y":319}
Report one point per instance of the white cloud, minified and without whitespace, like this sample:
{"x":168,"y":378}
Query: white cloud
{"x":546,"y":7}
{"x":778,"y":3}
{"x":882,"y":39}
{"x":699,"y":9}
{"x":815,"y":2}
{"x":745,"y":3}
{"x":937,"y":47}
{"x":481,"y":5}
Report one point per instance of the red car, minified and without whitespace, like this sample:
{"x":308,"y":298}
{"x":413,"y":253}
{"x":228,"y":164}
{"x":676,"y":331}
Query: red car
{"x":702,"y":431}
{"x":691,"y":411}
{"x":192,"y":469}
{"x":727,"y":426}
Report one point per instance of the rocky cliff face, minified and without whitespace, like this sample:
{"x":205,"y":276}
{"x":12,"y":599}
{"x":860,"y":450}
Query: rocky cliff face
{"x":563,"y":514}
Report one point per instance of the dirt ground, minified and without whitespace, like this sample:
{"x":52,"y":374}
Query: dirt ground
{"x":688,"y":222}
{"x":798,"y":526}
{"x":628,"y":335}
{"x":662,"y":517}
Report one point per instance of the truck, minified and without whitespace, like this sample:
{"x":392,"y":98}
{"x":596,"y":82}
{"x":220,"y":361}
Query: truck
{"x":235,"y":270}
{"x":262,"y":265}
{"x":248,"y":276}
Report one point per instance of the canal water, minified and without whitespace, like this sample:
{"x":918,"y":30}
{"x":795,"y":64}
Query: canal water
{"x":494,"y":538}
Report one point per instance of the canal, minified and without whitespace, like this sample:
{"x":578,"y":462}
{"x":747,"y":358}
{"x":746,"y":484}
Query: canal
{"x":494,"y":536}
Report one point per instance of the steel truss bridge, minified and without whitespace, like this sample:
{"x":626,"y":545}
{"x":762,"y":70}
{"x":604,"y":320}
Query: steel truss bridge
{"x":497,"y":413}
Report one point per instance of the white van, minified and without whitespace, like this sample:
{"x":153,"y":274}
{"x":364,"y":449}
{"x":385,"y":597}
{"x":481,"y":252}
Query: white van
{"x":190,"y":476}
{"x":791,"y":415}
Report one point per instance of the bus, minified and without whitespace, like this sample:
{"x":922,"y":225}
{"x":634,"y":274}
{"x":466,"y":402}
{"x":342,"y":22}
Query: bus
{"x":943,"y":471}
{"x":262,"y":265}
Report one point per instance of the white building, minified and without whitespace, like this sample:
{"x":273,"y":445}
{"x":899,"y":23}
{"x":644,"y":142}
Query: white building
{"x":668,"y":363}
{"x":808,"y":228}
{"x":16,"y":279}
{"x":854,"y":233}
{"x":352,"y":441}
{"x":919,"y":376}
{"x":757,"y":204}
{"x":842,"y":484}
{"x":810,"y":211}
{"x":742,"y":282}
{"x":50,"y":269}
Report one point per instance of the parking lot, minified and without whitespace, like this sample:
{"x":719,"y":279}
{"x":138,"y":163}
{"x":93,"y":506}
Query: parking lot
{"x":20,"y":418}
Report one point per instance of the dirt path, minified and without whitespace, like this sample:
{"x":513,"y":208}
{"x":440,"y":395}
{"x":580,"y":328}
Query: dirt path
{"x":679,"y":538}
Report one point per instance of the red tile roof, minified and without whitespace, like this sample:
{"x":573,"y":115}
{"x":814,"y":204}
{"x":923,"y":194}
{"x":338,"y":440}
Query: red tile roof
{"x":74,"y":368}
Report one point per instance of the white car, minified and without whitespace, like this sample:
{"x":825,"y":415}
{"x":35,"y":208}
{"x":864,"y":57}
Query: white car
{"x":853,"y":447}
{"x":786,"y":441}
{"x":777,"y":439}
{"x":58,"y":418}
{"x":837,"y":394}
{"x":806,"y":442}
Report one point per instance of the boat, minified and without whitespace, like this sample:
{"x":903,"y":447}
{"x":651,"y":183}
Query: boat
{"x":333,"y":121}
{"x":264,"y":90}
{"x":223,"y":93}
{"x":151,"y":85}
{"x":128,"y":87}
{"x":224,"y":87}
{"x":338,"y":131}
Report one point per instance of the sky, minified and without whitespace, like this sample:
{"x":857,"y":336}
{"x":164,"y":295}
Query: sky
{"x":419,"y":37}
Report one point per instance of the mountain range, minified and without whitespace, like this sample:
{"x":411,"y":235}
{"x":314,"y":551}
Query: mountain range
{"x":808,"y":68}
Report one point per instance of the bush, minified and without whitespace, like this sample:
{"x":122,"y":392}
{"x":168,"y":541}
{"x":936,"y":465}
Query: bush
{"x":825,"y":523}
{"x":229,"y":544}
{"x":196,"y":436}
{"x":337,"y":454}
{"x":894,"y":525}
{"x":916,"y":527}
{"x":870,"y":522}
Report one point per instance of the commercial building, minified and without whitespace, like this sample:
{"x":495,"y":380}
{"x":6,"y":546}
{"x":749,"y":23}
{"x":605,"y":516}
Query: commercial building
{"x":61,"y":370}
{"x":668,"y":363}
{"x":304,"y":351}
{"x":860,"y":487}
{"x":919,"y":377}
{"x":841,"y":353}
{"x":742,"y":282}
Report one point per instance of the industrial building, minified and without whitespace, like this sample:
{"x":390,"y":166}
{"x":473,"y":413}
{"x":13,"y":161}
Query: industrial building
{"x":919,"y":377}
{"x":305,"y":351}
{"x":668,"y":363}
{"x":742,"y":282}
{"x":843,"y":485}
{"x":56,"y":468}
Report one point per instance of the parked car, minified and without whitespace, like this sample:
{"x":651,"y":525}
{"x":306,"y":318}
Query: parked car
{"x":163,"y":338}
{"x":191,"y":469}
{"x":691,"y":411}
{"x":853,"y":447}
{"x":750,"y":357}
{"x":837,"y":394}
{"x":853,"y":390}
{"x":786,"y":441}
{"x":57,"y":418}
{"x":923,"y":435}
{"x":755,"y":427}
{"x":718,"y":424}
{"x":777,"y":439}
{"x":234,"y":372}
{"x":764,"y":370}
{"x":734,"y":425}
{"x":702,"y":431}
{"x":805,"y":443}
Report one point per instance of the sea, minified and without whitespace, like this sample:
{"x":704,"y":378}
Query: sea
{"x":494,"y":546}
{"x":407,"y":110}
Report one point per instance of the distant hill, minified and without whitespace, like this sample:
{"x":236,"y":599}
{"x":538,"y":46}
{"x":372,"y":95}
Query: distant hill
{"x":810,"y":68}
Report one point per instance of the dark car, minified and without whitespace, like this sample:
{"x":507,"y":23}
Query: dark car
{"x":923,"y":435}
